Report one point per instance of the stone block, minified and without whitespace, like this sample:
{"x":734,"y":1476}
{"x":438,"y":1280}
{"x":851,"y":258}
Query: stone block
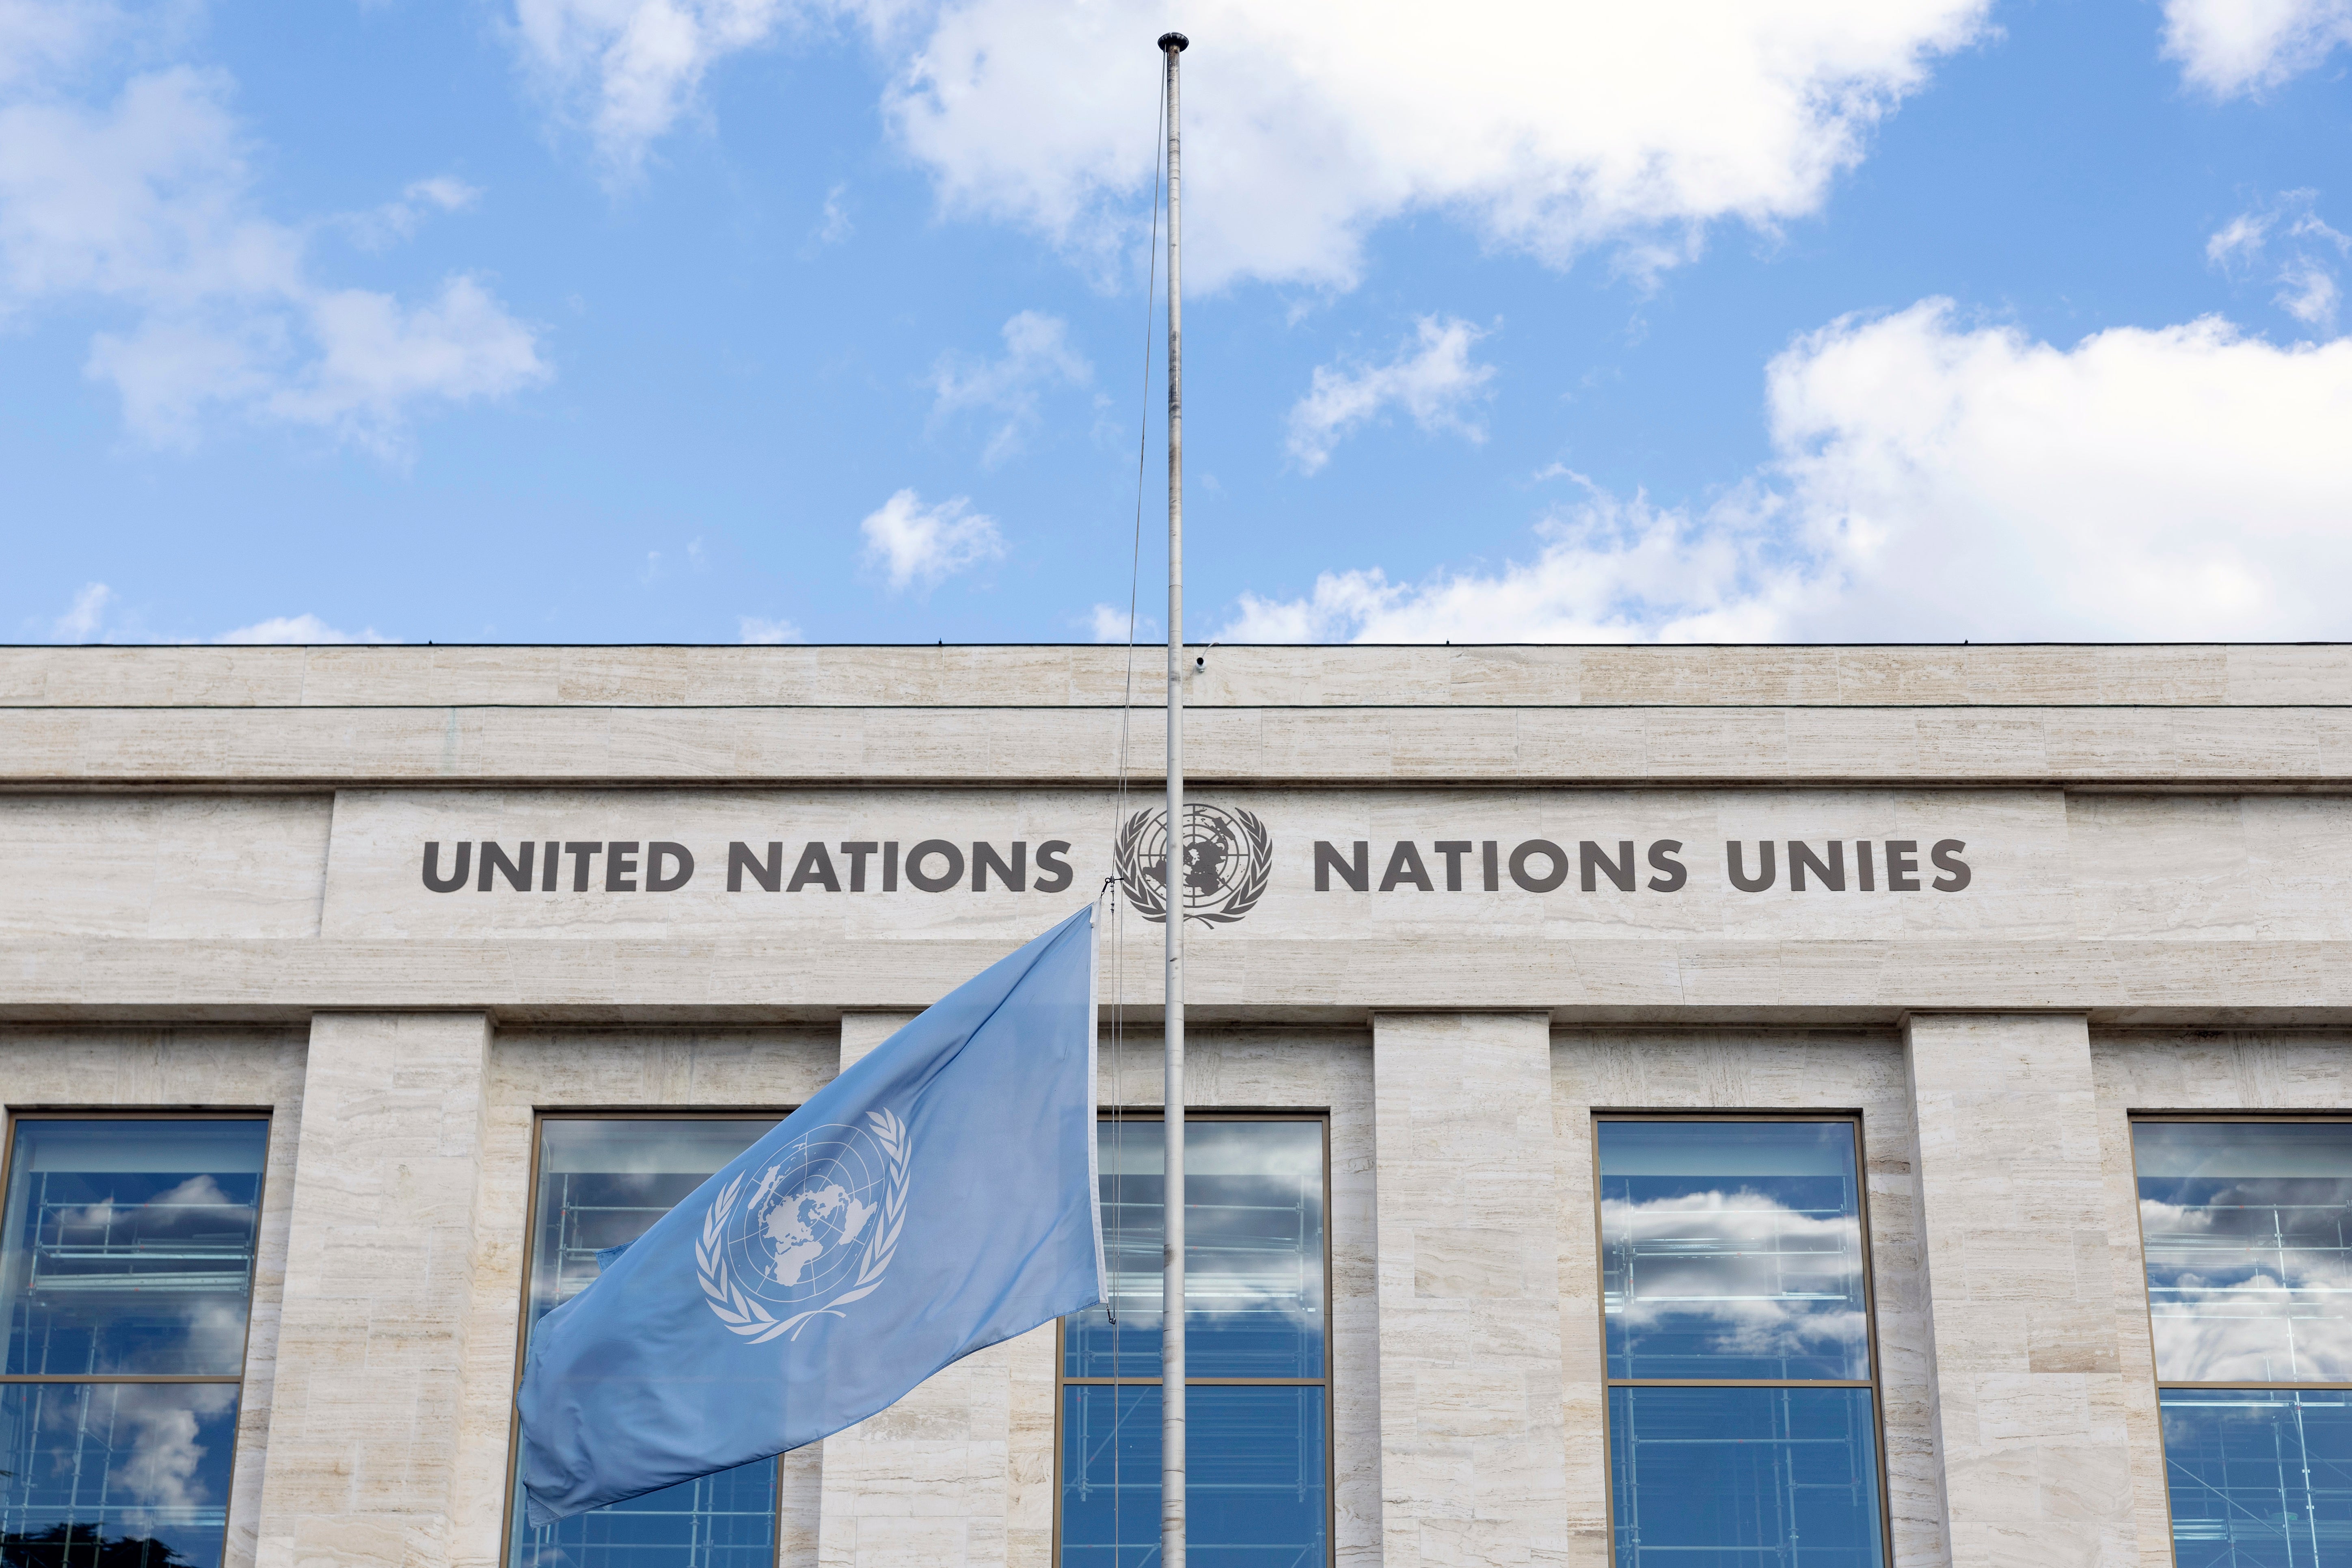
{"x":1471,"y":1450}
{"x":370,"y":1391}
{"x":2028,"y":1395}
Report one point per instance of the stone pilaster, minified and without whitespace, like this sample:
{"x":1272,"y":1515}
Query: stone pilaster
{"x":1472,"y":1463}
{"x":2028,"y":1400}
{"x":368,"y":1393}
{"x":938,"y":1480}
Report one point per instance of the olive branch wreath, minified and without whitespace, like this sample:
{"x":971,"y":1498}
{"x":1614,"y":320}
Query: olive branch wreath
{"x":1151,"y":902}
{"x":745,"y":1314}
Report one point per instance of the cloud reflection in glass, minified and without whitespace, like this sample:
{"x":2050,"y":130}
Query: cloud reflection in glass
{"x":1253,"y":1250}
{"x":1732,"y":1251}
{"x":127,"y":1247}
{"x":2249,"y":1265}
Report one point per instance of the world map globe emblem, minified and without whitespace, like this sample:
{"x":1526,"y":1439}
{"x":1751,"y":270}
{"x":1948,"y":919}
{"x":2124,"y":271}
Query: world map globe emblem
{"x":809,"y":1232}
{"x":1225,"y":860}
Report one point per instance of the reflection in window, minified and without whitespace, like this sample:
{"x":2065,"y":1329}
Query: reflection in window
{"x":2244,"y":1226}
{"x":1736,"y":1254}
{"x":2259,"y":1477}
{"x":126,"y":1256}
{"x":1254,"y":1488}
{"x":128,"y":1246}
{"x":602,"y":1184}
{"x":2249,"y":1262}
{"x":116,"y":1475}
{"x":1256,"y":1455}
{"x":1732,"y":1252}
{"x":1745,"y":1475}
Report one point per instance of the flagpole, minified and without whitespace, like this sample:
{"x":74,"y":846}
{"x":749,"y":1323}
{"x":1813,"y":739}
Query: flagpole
{"x":1171,"y":1341}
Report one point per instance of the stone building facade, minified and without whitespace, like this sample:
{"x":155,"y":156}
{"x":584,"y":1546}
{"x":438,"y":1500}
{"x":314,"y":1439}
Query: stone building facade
{"x":2046,"y":948}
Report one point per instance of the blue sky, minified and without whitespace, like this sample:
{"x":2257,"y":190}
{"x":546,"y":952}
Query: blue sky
{"x":712,"y":321}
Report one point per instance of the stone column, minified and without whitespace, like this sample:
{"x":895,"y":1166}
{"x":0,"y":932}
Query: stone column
{"x":959,"y":1473}
{"x":1473,"y":1467}
{"x":2028,"y":1401}
{"x":365,"y":1424}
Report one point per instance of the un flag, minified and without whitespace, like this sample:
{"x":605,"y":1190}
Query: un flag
{"x":936,"y":1198}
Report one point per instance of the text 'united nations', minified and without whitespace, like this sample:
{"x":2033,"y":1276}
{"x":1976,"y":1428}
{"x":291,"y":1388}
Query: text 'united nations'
{"x":979,"y":866}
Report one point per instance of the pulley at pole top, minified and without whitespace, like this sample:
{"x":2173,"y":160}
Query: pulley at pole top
{"x":1177,"y":41}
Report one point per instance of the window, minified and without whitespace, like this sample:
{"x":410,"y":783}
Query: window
{"x":1735,"y":1312}
{"x":600,"y":1182}
{"x":126,"y":1263}
{"x":2247,"y":1229}
{"x":1258,"y":1353}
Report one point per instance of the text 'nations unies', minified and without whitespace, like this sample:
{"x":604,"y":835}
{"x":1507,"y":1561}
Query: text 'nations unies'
{"x":1540,"y":866}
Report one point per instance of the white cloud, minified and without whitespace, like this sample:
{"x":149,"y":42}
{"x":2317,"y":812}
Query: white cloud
{"x":93,"y":619}
{"x":2233,"y":46}
{"x":87,"y":613}
{"x":836,"y":226}
{"x":303,"y":628}
{"x":143,"y":204}
{"x":755,"y":629}
{"x":1431,"y":378}
{"x":2307,"y":291}
{"x":2293,"y":246}
{"x":1937,"y":480}
{"x":914,"y":543}
{"x":1607,"y":571}
{"x":626,"y":71}
{"x":1548,"y":128}
{"x":1038,"y":354}
{"x":399,"y":218}
{"x":47,"y":37}
{"x":1109,"y":624}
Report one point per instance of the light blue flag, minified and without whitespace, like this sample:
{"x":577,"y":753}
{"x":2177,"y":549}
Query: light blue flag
{"x":934,"y":1199}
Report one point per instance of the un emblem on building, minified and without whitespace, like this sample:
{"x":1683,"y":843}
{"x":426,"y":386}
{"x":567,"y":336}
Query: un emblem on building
{"x":1227,"y":856}
{"x":809,"y":1234}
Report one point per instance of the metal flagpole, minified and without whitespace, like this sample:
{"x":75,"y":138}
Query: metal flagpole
{"x":1172,"y":1340}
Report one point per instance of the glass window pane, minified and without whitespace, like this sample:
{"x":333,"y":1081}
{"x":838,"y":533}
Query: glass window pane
{"x":115,"y":1475}
{"x":1252,"y":1251}
{"x":2248,"y":1273}
{"x":1732,"y":1249}
{"x":2258,"y":1477}
{"x":1741,"y":1477}
{"x":128,"y":1245}
{"x":602,"y":1184}
{"x":1255,"y":1490}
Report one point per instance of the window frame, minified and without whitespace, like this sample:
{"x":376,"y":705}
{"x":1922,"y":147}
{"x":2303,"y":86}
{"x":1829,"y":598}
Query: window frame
{"x":2156,"y":1380}
{"x":539,"y":1117}
{"x":1063,"y":1381}
{"x":1875,"y":1383}
{"x":267,"y":1116}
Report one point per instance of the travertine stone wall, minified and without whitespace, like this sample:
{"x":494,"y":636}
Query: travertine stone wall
{"x":166,"y":866}
{"x":2195,"y":1071}
{"x":151,"y":1068}
{"x":1093,"y":676}
{"x":1711,"y":1070}
{"x":2029,"y":1400}
{"x":736,"y":1072}
{"x":1470,"y":1430}
{"x":379,"y":1276}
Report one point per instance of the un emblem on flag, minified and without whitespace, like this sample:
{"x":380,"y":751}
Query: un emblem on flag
{"x":1227,"y":856}
{"x":810,"y":1234}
